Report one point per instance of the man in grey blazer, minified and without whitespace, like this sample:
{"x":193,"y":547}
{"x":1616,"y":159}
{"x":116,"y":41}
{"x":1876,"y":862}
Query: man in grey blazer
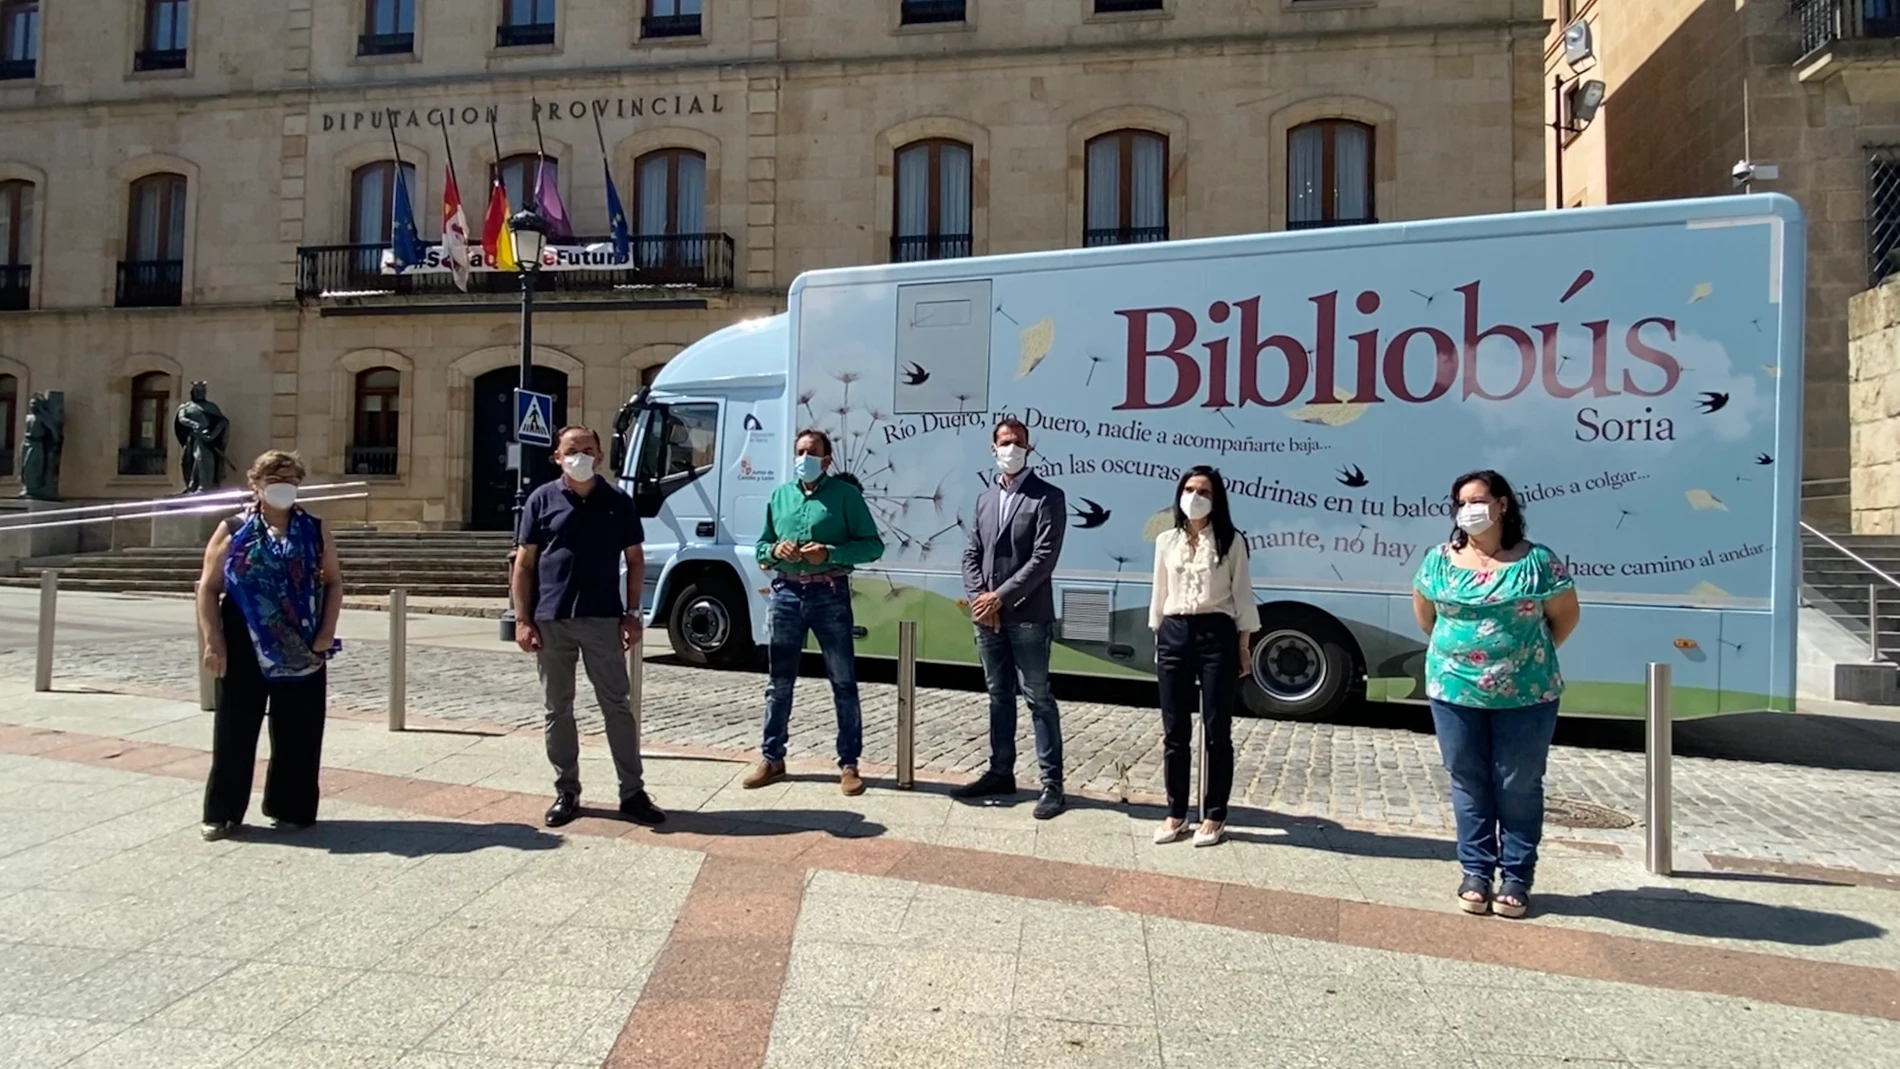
{"x":1007,"y":566}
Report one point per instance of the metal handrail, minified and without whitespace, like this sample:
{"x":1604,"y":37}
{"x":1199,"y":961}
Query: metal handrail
{"x":1850,"y":554}
{"x":185,"y":506}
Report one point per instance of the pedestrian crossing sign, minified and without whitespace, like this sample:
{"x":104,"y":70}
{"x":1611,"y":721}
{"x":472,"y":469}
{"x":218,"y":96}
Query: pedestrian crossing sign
{"x":534,"y":418}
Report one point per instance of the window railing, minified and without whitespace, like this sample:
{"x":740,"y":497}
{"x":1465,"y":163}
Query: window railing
{"x":141,"y":460}
{"x":1123,"y":235}
{"x":372,"y":460}
{"x":385,"y":44}
{"x":1823,"y":22}
{"x":912,"y":248}
{"x":1327,"y":224}
{"x":16,"y":69}
{"x":151,"y":283}
{"x":1883,"y":212}
{"x":925,"y":12}
{"x":1117,"y":7}
{"x":693,"y":261}
{"x":524,"y":35}
{"x":670,"y":25}
{"x":16,"y":287}
{"x":159,"y":59}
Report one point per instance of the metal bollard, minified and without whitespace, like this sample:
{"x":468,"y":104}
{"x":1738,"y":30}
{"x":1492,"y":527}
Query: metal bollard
{"x":398,"y":659}
{"x":1659,"y":746}
{"x":49,"y":608}
{"x":1873,"y":623}
{"x":207,"y":683}
{"x":906,"y":705}
{"x":636,"y":685}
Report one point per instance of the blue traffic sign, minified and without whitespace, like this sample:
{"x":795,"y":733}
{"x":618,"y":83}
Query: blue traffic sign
{"x":534,"y":418}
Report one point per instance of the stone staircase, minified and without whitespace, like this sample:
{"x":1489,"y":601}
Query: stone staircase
{"x":1838,"y":585}
{"x":434,"y":564}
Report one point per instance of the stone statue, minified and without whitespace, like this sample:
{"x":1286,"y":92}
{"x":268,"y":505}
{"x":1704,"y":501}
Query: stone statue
{"x":40,"y":447}
{"x":202,"y":431}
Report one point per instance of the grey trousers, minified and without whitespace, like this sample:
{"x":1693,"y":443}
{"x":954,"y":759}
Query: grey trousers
{"x":595,"y":641}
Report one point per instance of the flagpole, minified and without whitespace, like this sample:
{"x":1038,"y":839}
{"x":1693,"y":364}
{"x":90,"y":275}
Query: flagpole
{"x":615,"y":221}
{"x":540,"y":155}
{"x":396,"y":186}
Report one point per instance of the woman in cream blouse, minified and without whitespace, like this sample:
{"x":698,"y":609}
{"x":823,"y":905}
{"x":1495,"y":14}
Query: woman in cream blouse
{"x":1203,"y":616}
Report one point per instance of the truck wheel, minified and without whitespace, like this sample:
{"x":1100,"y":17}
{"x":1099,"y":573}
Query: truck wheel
{"x":708,"y":625}
{"x":1302,"y":665}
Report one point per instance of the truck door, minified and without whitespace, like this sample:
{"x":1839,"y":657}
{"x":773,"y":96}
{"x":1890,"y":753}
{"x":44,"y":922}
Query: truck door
{"x":675,"y":477}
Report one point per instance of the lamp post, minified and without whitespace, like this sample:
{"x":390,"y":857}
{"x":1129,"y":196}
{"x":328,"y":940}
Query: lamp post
{"x":530,"y":233}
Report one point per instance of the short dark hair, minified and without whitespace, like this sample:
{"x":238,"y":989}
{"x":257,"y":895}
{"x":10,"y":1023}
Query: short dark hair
{"x":562,"y":434}
{"x":1012,"y":423}
{"x":814,"y":433}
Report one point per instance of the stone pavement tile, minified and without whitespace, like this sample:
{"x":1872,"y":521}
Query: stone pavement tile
{"x":31,"y":1042}
{"x":1177,"y":945}
{"x":29,"y":914}
{"x":614,"y":958}
{"x":824,"y":883}
{"x":1215,"y":1000}
{"x":720,"y":969}
{"x":254,"y":999}
{"x":460,"y":947}
{"x":840,"y":974}
{"x":950,"y":918}
{"x":548,"y":902}
{"x":387,"y":1010}
{"x":352,"y":939}
{"x":129,"y":871}
{"x":1682,"y":1029}
{"x":537,"y":1022}
{"x":130,"y":989}
{"x":1112,"y":849}
{"x":144,"y":1046}
{"x":871,"y":921}
{"x":48,"y":864}
{"x":1311,"y":959}
{"x":240,"y":930}
{"x":29,"y":970}
{"x":1099,"y":992}
{"x":808,"y":1034}
{"x":1087,"y":935}
{"x":905,"y":1039}
{"x":1035,"y":1043}
{"x":282,"y":1053}
{"x":702,"y":1034}
{"x":436,"y":1060}
{"x":1553,"y":1024}
{"x":968,"y":981}
{"x":1184,"y":1046}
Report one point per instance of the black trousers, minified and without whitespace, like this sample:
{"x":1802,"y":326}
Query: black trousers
{"x":1198,"y":655}
{"x":295,"y":708}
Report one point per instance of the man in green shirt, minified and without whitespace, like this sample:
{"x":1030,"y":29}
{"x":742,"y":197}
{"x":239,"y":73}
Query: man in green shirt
{"x":817,"y":529}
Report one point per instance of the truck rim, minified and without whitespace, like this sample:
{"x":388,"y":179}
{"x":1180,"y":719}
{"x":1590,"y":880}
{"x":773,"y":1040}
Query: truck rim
{"x":1289,"y":665}
{"x":707,"y":624}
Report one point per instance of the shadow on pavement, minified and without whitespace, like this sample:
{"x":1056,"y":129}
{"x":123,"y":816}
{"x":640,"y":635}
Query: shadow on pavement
{"x":407,"y":838}
{"x":1711,"y":917}
{"x":748,"y":823}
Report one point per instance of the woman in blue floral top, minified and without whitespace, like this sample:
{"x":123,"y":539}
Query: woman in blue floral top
{"x":1497,"y":606}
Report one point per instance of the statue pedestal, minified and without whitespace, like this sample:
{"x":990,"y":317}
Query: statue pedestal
{"x":41,"y":541}
{"x":189,"y":531}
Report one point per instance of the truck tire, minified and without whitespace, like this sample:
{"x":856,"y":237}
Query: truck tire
{"x":1302,"y":665}
{"x":708,"y":625}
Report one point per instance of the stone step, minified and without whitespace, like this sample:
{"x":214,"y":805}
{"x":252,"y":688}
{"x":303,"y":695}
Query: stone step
{"x":350,"y":588}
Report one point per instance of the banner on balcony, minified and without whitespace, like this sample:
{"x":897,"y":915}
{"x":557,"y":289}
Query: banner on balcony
{"x":595,"y":257}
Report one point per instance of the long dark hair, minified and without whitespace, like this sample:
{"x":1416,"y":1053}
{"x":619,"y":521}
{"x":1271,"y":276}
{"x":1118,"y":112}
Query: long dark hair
{"x":1510,"y":525}
{"x":1221,"y":520}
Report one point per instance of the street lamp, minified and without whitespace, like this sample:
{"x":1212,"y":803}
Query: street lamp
{"x":530,"y":234}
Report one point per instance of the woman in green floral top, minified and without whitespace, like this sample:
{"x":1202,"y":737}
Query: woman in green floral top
{"x":1497,"y":606}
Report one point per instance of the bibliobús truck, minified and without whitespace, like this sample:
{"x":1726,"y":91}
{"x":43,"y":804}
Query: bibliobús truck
{"x":1634,"y":370}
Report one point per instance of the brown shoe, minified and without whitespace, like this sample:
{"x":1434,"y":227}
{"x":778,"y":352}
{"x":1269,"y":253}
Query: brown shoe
{"x":849,"y":782}
{"x":763,"y":774}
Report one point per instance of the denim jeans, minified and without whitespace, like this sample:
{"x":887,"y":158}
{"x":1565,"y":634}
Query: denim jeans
{"x":1016,"y":660}
{"x":1496,"y":758}
{"x":822,"y":609}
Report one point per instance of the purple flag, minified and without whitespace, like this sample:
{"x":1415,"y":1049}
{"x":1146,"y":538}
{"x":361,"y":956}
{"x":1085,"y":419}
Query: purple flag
{"x":548,"y":197}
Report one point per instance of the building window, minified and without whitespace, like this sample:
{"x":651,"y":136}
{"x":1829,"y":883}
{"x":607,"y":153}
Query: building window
{"x":9,"y":422}
{"x":525,"y":22}
{"x":521,"y":174}
{"x":1883,"y":212}
{"x":1329,"y":174}
{"x":669,"y":207}
{"x":167,"y":31}
{"x":19,"y":38}
{"x":389,"y":28}
{"x":144,"y":451}
{"x":373,"y":444}
{"x":153,"y":271}
{"x":1118,"y":7}
{"x":671,"y":18}
{"x":1127,"y":189}
{"x":649,"y":374}
{"x":373,"y":198}
{"x":16,"y":245}
{"x":933,"y":201}
{"x":925,"y":12}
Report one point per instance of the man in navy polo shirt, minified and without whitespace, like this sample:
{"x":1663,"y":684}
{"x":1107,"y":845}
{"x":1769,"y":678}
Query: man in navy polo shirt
{"x":571,"y":604}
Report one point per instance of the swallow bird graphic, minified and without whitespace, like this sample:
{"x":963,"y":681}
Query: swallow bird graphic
{"x":1350,"y":475}
{"x":1764,"y":459}
{"x":1711,"y":403}
{"x":915,"y":375}
{"x":1092,"y":516}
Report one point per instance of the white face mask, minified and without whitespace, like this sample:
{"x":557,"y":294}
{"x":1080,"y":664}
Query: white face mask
{"x":578,"y":466}
{"x":1474,"y":519}
{"x":1010,"y":458}
{"x":280,"y":495}
{"x":1196,"y":506}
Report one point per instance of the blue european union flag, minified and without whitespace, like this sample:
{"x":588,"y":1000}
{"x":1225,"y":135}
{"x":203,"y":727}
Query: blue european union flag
{"x":617,"y":218}
{"x":405,"y":244}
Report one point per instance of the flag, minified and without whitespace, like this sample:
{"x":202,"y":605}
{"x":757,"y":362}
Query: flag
{"x":548,"y":195}
{"x":454,"y":232}
{"x":405,"y":245}
{"x":617,"y":218}
{"x":497,"y":242}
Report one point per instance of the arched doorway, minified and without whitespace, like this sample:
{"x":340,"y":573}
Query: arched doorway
{"x":492,"y":496}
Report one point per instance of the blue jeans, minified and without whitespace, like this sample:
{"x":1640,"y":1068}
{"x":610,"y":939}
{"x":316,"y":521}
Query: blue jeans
{"x":1016,"y":660}
{"x":1496,"y":758}
{"x":822,"y":609}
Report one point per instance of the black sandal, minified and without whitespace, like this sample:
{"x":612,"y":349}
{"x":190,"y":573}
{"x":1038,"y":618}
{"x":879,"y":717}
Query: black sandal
{"x":1478,"y":906}
{"x":1513,"y":889}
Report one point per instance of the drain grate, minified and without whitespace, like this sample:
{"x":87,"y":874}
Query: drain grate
{"x":1570,"y":814}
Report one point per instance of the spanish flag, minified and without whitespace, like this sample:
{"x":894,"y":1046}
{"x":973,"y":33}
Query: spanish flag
{"x":497,"y":242}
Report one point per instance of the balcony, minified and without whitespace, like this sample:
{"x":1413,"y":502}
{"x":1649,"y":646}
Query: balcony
{"x":928,"y":12}
{"x":1123,"y":235}
{"x":159,"y":59}
{"x":385,"y":44}
{"x":16,"y":287}
{"x":151,"y":284}
{"x":1857,"y":41}
{"x":352,"y":274}
{"x":905,"y":250}
{"x":669,"y":26}
{"x":372,"y":460}
{"x":139,"y":460}
{"x":524,"y":35}
{"x":1327,"y":224}
{"x":1122,"y":7}
{"x":12,"y":70}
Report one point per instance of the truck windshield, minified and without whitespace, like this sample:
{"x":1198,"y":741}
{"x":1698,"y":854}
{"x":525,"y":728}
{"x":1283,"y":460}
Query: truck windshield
{"x":675,"y":444}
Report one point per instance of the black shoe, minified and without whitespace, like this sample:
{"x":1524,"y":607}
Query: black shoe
{"x":1051,"y":803}
{"x":987,"y":784}
{"x":641,"y":810}
{"x":565,"y":808}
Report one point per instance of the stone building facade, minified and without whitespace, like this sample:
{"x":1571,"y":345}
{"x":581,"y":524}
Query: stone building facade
{"x":1810,"y":87}
{"x":200,"y":189}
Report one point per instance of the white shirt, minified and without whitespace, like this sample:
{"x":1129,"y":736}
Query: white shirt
{"x":1189,"y":581}
{"x":1011,"y":489}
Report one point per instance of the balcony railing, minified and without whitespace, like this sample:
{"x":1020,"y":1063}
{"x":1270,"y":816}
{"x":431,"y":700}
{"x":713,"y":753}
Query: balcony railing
{"x":1327,"y":224}
{"x":1883,"y":212}
{"x":16,"y":287}
{"x":385,"y":44}
{"x":924,"y":12}
{"x":669,"y":25}
{"x":159,"y":59}
{"x":16,"y":69}
{"x":524,"y":34}
{"x":1117,"y":7}
{"x":1123,"y":235}
{"x":1823,"y":22}
{"x":687,"y":261}
{"x":917,"y":247}
{"x":151,"y":283}
{"x":139,"y":460}
{"x":372,"y":460}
